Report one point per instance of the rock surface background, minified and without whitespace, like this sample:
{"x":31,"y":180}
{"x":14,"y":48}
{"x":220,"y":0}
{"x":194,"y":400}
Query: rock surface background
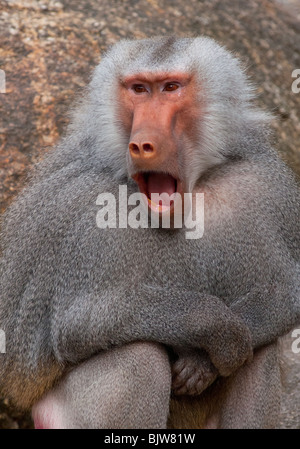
{"x":48,"y":49}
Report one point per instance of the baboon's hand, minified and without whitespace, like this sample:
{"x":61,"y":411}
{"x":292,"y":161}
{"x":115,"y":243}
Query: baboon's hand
{"x":192,"y":373}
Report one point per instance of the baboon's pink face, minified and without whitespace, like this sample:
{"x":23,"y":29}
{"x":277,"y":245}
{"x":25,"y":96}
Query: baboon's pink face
{"x":159,"y":112}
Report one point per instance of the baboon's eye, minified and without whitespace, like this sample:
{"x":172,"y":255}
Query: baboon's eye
{"x":170,"y":87}
{"x":139,"y":88}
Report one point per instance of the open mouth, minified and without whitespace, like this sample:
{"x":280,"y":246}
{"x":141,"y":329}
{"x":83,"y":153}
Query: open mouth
{"x":159,"y":188}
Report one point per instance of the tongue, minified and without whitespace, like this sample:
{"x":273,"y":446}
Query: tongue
{"x":161,"y":183}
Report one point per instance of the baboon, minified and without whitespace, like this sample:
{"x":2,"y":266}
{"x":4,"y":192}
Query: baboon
{"x":104,"y":324}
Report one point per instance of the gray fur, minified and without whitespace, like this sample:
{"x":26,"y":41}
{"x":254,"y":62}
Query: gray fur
{"x":102,"y":391}
{"x":70,"y":289}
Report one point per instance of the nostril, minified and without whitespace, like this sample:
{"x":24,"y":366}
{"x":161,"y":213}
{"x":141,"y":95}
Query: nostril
{"x":148,"y":148}
{"x":134,"y":148}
